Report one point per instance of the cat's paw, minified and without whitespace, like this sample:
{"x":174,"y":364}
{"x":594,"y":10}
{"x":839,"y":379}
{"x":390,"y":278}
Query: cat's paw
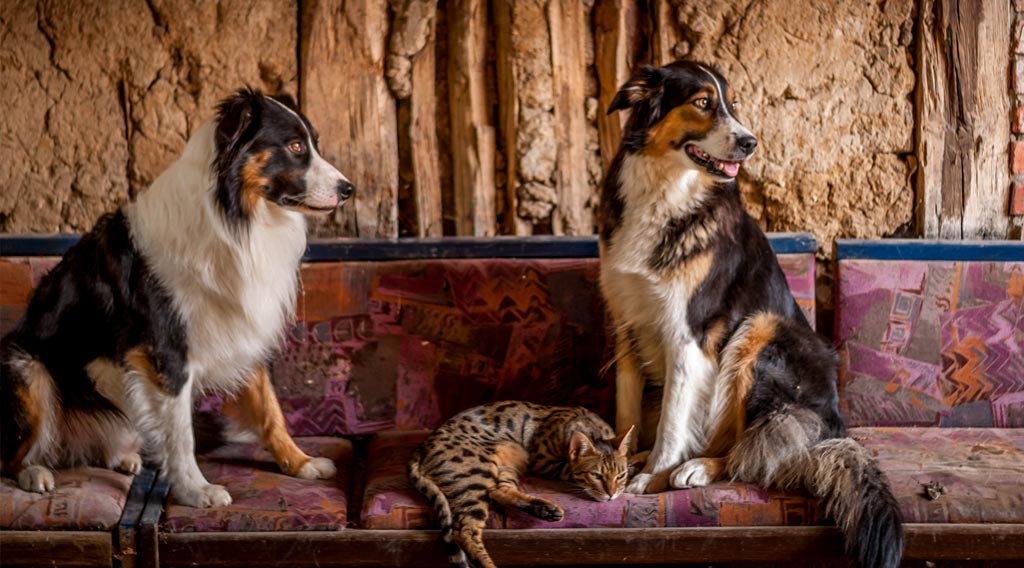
{"x":36,"y":478}
{"x":546,"y":511}
{"x":202,"y":496}
{"x":697,"y":473}
{"x":648,"y":483}
{"x":317,"y":468}
{"x":130,"y":464}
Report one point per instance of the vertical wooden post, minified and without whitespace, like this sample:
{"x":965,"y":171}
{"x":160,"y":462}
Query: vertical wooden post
{"x":343,"y":92}
{"x":410,"y":74}
{"x":666,"y":32}
{"x":508,"y":105}
{"x":963,"y":120}
{"x":574,"y":214}
{"x":472,"y":135}
{"x":615,"y":36}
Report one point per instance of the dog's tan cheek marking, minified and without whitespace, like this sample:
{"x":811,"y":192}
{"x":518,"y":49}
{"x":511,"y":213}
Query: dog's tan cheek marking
{"x":257,"y":408}
{"x":762,"y":330}
{"x":253,"y":181}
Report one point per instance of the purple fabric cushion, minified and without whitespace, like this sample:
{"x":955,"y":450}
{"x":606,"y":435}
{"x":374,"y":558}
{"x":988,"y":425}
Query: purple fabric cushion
{"x":85,"y":498}
{"x":931,"y":343}
{"x":264,"y":499}
{"x":978,"y":472}
{"x":390,"y":502}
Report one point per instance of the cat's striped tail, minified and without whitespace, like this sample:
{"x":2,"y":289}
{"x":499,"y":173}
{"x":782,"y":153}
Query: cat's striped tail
{"x":433,"y":493}
{"x":786,"y":449}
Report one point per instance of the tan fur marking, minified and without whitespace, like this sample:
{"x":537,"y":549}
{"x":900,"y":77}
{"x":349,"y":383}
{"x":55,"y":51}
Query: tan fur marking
{"x":686,"y":120}
{"x":739,"y":357}
{"x":693,"y":271}
{"x":138,"y":360}
{"x":253,"y":181}
{"x":713,"y":339}
{"x":715,"y":468}
{"x":256,"y":408}
{"x":30,"y":401}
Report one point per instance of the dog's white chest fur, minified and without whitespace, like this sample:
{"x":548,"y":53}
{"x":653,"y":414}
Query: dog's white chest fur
{"x":235,"y":290}
{"x":652,"y":198}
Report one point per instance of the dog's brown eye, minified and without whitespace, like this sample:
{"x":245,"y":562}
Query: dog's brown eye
{"x":297,"y":147}
{"x":702,"y":102}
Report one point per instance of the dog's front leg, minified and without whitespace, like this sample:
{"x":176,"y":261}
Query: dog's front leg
{"x":164,"y":415}
{"x":257,"y":410}
{"x":680,"y":427}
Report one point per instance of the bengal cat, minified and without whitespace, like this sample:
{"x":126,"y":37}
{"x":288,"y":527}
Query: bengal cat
{"x":479,"y":455}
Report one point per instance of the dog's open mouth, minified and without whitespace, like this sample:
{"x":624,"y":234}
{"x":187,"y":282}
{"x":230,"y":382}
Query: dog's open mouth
{"x":712,"y":164}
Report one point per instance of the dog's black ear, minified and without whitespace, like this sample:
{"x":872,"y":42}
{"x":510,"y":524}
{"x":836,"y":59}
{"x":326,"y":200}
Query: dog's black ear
{"x":237,"y":115}
{"x":646,"y":85}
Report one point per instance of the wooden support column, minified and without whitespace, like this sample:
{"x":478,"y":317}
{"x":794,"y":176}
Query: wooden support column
{"x":963,"y":118}
{"x":343,"y":92}
{"x":666,"y":32}
{"x":574,"y":214}
{"x":472,"y":134}
{"x":509,"y":106}
{"x":616,"y":23}
{"x":411,"y":75}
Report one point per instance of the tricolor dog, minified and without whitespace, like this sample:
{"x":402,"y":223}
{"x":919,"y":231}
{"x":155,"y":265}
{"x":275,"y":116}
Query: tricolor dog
{"x":713,"y":356}
{"x":185,"y":290}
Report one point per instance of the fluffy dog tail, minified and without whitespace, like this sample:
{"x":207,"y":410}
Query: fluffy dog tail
{"x":785,"y":449}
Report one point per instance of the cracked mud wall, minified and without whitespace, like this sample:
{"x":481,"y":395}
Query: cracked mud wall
{"x":101,"y":96}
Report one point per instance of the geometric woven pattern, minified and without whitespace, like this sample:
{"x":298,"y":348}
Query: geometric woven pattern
{"x":85,"y":498}
{"x":931,"y":343}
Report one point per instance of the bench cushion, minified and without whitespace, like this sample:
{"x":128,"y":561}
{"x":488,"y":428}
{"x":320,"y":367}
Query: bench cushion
{"x":978,"y":472}
{"x":390,"y":502}
{"x":264,"y":499}
{"x":931,"y":343}
{"x":85,"y":498}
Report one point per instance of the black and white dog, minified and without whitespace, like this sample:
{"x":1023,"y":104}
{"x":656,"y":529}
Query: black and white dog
{"x":714,"y":359}
{"x":187,"y":289}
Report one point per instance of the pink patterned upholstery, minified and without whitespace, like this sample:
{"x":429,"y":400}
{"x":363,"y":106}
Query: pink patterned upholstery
{"x":390,"y":502}
{"x":266,"y":499}
{"x":85,"y":498}
{"x":927,"y":343}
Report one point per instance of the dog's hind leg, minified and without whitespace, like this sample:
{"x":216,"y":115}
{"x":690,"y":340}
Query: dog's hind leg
{"x":32,"y":421}
{"x":256,"y":409}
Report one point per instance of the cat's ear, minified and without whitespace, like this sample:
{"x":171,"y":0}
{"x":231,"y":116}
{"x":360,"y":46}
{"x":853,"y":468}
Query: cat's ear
{"x":623,"y":443}
{"x":580,"y":445}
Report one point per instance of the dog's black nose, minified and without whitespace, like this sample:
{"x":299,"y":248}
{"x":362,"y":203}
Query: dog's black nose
{"x":747,"y":143}
{"x":345,"y":189}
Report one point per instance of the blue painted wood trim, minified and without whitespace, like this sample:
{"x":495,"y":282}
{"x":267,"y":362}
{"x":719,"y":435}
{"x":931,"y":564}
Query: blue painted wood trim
{"x":913,"y":249}
{"x":408,"y":249}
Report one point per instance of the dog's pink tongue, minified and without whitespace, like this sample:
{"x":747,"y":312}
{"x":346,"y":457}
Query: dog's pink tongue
{"x":731,"y":169}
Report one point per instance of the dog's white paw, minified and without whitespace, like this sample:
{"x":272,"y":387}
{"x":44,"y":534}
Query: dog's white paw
{"x":690,"y":474}
{"x":130,"y":464}
{"x":648,"y":483}
{"x":36,"y":478}
{"x":202,"y":496}
{"x":317,"y":468}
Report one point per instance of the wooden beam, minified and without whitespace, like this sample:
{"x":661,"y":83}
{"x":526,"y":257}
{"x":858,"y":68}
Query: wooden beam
{"x":56,"y":548}
{"x":566,"y":547}
{"x":343,"y":92}
{"x":411,"y":75}
{"x":508,"y":109}
{"x":574,"y":213}
{"x":666,"y":32}
{"x":472,"y":134}
{"x":963,"y":120}
{"x":615,"y":43}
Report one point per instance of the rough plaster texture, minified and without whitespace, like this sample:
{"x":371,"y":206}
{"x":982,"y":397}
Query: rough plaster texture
{"x":101,"y":96}
{"x":828,"y":91}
